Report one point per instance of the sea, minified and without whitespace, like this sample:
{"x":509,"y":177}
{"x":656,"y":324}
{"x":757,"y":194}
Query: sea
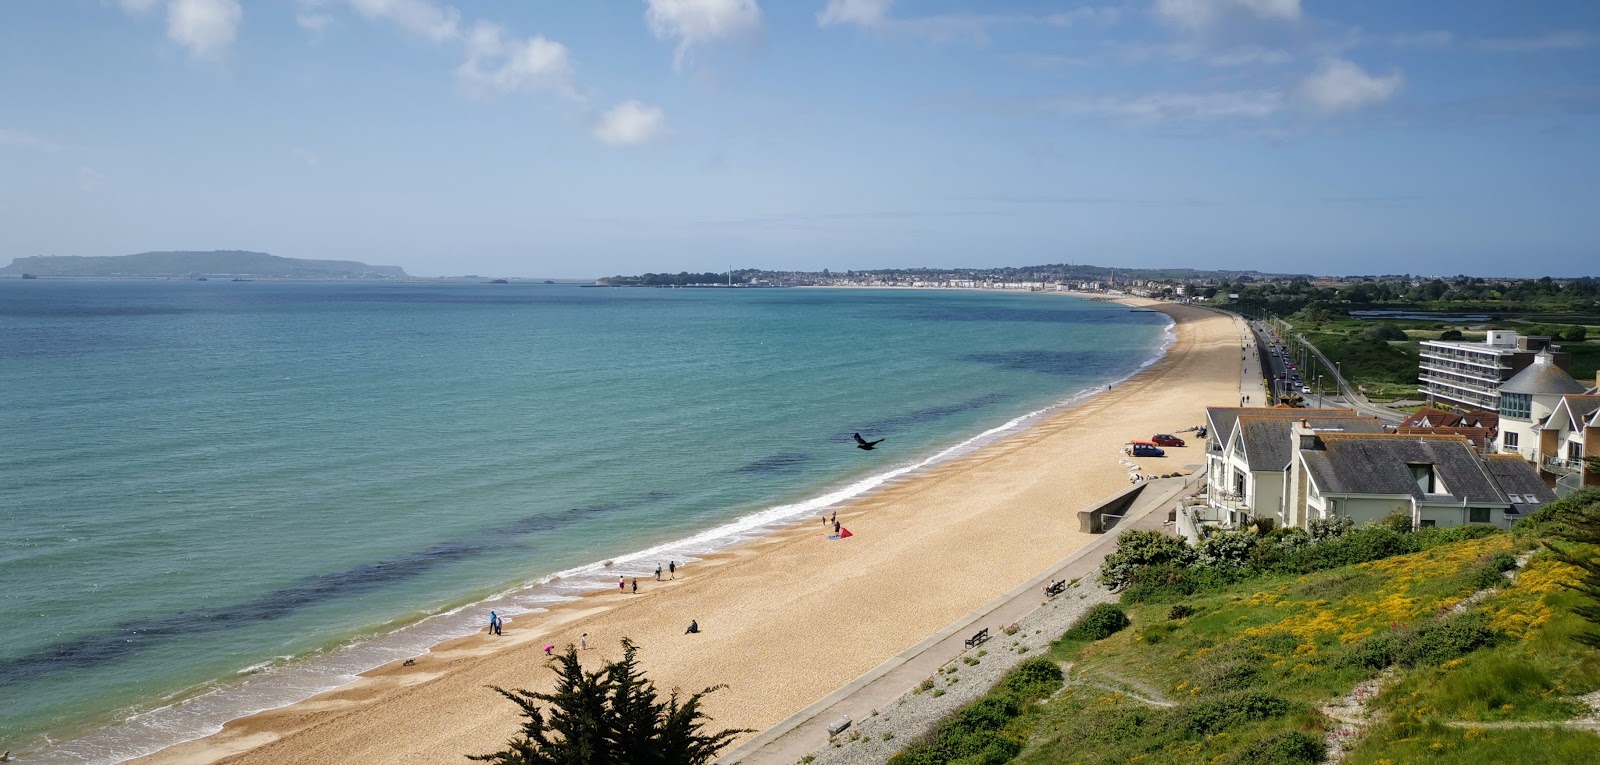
{"x":221,"y":497}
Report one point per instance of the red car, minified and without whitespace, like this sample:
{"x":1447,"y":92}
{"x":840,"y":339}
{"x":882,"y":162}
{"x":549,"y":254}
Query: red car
{"x":1166,"y":440}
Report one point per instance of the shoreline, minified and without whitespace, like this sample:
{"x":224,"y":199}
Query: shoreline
{"x":204,"y":711}
{"x":453,"y":657}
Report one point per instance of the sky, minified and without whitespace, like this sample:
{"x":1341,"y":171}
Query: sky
{"x":553,"y":138}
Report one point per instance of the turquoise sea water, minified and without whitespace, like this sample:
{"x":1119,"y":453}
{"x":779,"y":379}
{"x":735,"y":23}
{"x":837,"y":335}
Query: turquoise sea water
{"x":220,"y":497}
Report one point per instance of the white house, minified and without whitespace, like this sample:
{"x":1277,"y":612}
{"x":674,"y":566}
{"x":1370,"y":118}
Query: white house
{"x":1436,"y":480}
{"x":1570,"y":432}
{"x":1248,"y":456}
{"x":1527,"y":400}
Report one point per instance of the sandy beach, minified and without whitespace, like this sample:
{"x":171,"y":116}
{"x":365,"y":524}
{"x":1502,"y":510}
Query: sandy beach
{"x":787,"y":619}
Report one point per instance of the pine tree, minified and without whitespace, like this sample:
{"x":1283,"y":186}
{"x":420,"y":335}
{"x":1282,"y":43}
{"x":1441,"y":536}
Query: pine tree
{"x":579,"y":714}
{"x":613,"y":716}
{"x":1576,"y":523}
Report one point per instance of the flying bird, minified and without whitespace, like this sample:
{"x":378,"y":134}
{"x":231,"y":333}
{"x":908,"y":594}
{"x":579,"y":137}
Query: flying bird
{"x":864,"y":444}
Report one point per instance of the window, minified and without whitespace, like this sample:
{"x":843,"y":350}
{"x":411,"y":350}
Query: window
{"x":1477,"y":515}
{"x":1510,"y":439}
{"x":1574,"y":451}
{"x":1428,"y":524}
{"x":1516,"y":405}
{"x":1423,"y":475}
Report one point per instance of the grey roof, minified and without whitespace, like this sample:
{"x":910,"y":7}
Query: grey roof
{"x":1381,"y":464}
{"x":1269,"y":446}
{"x":1542,"y":377}
{"x":1222,"y":419}
{"x":1516,"y":475}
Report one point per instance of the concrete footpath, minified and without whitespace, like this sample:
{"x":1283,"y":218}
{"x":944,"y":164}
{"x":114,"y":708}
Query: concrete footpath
{"x":806,"y":731}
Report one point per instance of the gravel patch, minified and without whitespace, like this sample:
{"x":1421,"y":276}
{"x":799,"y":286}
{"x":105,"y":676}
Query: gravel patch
{"x":877,"y":738}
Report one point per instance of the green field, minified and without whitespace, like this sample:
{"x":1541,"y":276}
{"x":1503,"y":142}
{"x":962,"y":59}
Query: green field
{"x":1425,"y":656}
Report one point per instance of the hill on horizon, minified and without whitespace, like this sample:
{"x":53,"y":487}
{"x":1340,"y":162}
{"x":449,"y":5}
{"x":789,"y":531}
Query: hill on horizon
{"x":197,"y":263}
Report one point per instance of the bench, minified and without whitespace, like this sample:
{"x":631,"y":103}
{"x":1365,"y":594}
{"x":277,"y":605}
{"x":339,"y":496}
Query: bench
{"x":838,"y":726}
{"x":1056,"y":588}
{"x":978,"y":638}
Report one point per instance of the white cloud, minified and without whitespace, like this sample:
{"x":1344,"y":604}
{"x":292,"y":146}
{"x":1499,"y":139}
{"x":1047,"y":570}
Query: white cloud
{"x":630,"y":124}
{"x":864,"y":13}
{"x":497,"y":65}
{"x":26,"y":140}
{"x":205,"y":27}
{"x":874,"y":15}
{"x":313,"y":22}
{"x":1339,"y":85}
{"x":426,"y":18}
{"x":1157,"y":108}
{"x":697,"y":22}
{"x":1199,"y":14}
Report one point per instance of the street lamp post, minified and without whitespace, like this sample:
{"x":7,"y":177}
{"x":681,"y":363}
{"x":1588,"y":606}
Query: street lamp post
{"x":1319,"y":391}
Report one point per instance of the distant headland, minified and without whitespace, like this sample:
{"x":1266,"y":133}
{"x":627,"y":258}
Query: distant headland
{"x":238,"y":263}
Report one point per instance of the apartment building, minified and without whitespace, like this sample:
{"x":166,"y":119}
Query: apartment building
{"x":1470,"y":374}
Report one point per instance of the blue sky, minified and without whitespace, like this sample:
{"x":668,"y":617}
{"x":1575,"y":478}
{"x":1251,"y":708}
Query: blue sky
{"x":576,"y":139}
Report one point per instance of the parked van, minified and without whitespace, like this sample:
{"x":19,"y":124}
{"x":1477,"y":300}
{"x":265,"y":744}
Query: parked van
{"x":1144,"y":449}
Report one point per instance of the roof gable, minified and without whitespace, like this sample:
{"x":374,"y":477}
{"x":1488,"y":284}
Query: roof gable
{"x":1381,"y":464}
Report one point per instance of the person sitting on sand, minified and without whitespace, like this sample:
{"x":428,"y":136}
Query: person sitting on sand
{"x":694,"y":628}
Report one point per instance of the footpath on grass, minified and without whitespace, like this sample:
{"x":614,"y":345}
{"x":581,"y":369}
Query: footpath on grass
{"x":872,"y":694}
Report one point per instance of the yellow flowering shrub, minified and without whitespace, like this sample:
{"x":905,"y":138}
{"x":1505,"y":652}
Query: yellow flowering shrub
{"x":1521,"y":608}
{"x":1401,"y":599}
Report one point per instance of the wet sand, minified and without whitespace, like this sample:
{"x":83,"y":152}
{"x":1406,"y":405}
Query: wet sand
{"x":789,"y":618}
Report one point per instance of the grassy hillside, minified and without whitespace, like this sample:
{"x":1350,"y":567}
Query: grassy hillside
{"x":1231,"y":657}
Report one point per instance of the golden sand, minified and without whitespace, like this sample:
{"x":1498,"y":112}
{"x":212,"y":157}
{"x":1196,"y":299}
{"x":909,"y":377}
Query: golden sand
{"x":787,"y":619}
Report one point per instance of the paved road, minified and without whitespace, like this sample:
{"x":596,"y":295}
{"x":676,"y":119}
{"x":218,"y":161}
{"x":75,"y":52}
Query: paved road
{"x":1353,"y":398}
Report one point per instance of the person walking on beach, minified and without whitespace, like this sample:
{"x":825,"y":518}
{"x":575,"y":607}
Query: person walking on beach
{"x":834,"y":519}
{"x":658,"y":572}
{"x":622,"y":583}
{"x":836,"y":527}
{"x":636,"y":586}
{"x":583,"y":642}
{"x":672,"y":569}
{"x":494,"y":623}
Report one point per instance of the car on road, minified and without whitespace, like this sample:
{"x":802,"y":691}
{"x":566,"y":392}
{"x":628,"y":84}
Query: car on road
{"x":1163,"y":439}
{"x":1146,"y":450}
{"x":1305,"y":389}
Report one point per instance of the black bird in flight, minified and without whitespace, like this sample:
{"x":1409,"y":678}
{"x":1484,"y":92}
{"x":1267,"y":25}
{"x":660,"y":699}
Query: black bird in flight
{"x":864,"y":444}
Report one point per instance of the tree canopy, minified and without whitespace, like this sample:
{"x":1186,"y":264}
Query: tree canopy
{"x":611,"y":716}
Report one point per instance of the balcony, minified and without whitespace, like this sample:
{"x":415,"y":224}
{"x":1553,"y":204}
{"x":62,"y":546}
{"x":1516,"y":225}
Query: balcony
{"x":1559,"y":466}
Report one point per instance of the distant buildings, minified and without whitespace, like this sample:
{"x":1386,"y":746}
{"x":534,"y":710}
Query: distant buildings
{"x":1477,"y":426}
{"x":1469,"y":374}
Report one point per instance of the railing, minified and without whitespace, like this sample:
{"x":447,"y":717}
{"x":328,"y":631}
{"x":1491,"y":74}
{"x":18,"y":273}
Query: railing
{"x":1561,"y":466}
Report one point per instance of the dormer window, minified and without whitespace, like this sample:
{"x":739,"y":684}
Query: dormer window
{"x":1427,"y":478}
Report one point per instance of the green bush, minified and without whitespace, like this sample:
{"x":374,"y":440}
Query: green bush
{"x":1180,"y":611}
{"x":1430,"y":643}
{"x":1226,"y":548}
{"x":1450,"y":334}
{"x":1490,"y":573}
{"x":1101,"y":621}
{"x":1167,"y":582}
{"x":1032,"y":680}
{"x":1289,"y":747}
{"x":1440,"y":641}
{"x":1203,"y":718}
{"x":1137,"y":549}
